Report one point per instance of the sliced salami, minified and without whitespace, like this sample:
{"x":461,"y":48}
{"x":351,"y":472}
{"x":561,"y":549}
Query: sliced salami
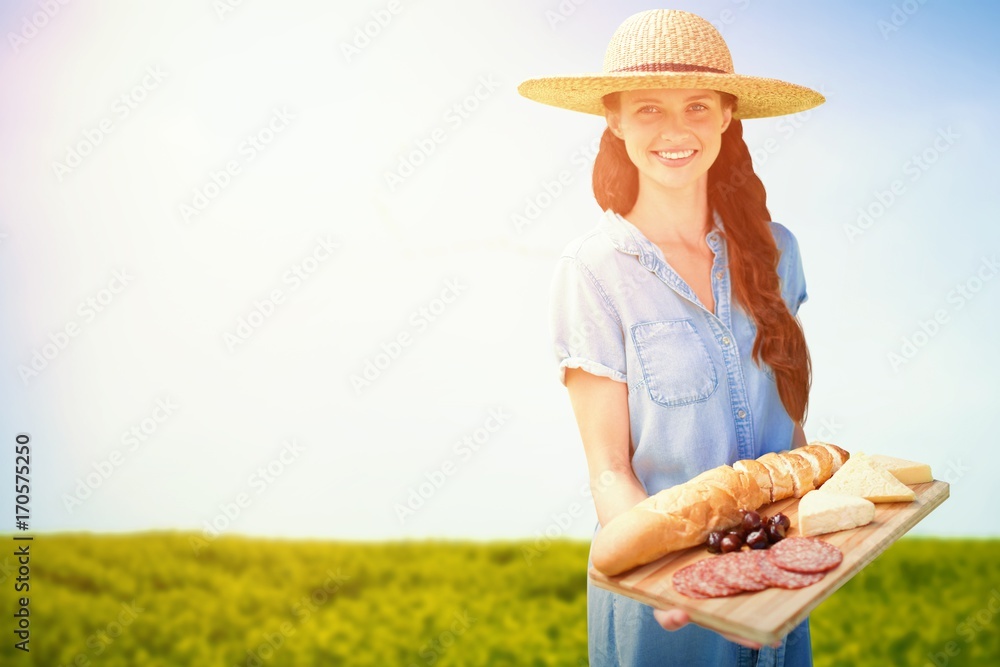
{"x":753,"y":570}
{"x":699,"y":581}
{"x":739,"y":570}
{"x":805,"y":555}
{"x":781,"y":578}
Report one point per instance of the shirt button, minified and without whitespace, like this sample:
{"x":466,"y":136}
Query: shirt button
{"x":741,"y":414}
{"x":718,"y":275}
{"x":725,"y":340}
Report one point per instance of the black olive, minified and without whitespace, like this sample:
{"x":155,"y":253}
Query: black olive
{"x":730,"y":542}
{"x":758,"y":539}
{"x":782,"y":519}
{"x":714,"y":541}
{"x":751,"y":521}
{"x":776,"y":532}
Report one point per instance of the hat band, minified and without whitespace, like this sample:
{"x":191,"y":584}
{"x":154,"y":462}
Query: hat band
{"x":668,"y":67}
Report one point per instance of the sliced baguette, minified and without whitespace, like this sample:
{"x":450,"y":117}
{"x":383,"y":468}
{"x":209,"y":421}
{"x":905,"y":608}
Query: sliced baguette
{"x":840,"y":456}
{"x":781,"y":477}
{"x":759,"y":472}
{"x":675,"y":518}
{"x":802,"y":473}
{"x":820,"y":464}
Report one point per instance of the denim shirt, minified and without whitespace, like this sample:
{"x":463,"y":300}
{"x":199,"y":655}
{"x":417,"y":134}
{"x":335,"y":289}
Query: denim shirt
{"x":696,"y":400}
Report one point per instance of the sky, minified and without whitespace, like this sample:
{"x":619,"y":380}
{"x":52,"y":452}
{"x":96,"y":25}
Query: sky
{"x":263,"y":266}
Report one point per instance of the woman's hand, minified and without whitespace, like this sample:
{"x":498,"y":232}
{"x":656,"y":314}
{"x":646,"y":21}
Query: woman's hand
{"x":672,"y":618}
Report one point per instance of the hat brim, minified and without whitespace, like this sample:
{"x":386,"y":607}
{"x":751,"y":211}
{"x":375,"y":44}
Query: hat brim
{"x":758,"y":97}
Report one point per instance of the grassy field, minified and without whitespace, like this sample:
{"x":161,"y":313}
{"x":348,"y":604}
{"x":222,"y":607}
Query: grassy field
{"x":150,"y":600}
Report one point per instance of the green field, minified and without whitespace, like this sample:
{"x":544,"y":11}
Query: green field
{"x":148,"y":599}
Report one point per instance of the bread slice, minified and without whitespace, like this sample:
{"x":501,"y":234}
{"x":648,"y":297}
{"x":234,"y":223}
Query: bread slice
{"x":862,"y":476}
{"x":781,"y":477}
{"x":759,"y":472}
{"x":819,"y":458}
{"x":675,"y":518}
{"x":823,"y":511}
{"x":742,"y":487}
{"x":802,"y":473}
{"x":907,"y":472}
{"x":840,"y":456}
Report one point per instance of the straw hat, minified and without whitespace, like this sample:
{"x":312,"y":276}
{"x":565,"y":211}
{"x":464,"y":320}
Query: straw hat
{"x":668,"y":48}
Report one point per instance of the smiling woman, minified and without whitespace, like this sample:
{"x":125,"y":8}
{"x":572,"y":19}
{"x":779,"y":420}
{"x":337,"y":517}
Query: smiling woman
{"x":706,"y":363}
{"x":672,"y":128}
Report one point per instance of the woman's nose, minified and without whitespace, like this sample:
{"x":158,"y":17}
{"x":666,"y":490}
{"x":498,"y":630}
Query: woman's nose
{"x":672,"y":128}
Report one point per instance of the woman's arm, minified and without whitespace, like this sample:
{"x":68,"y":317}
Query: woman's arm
{"x":798,"y":436}
{"x":601,"y":408}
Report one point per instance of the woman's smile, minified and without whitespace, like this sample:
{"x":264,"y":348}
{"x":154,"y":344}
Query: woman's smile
{"x":676,"y":158}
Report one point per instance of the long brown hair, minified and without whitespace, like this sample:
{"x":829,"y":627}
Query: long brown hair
{"x":737,"y":194}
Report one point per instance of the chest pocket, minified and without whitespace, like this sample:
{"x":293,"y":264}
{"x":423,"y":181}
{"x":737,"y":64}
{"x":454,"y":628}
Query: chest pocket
{"x":675,"y":363}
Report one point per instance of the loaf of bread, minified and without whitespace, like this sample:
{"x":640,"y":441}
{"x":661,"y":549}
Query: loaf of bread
{"x":683,"y":515}
{"x":675,"y":518}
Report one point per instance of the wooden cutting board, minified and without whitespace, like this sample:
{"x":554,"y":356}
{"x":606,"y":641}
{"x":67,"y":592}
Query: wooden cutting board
{"x":767,"y":616}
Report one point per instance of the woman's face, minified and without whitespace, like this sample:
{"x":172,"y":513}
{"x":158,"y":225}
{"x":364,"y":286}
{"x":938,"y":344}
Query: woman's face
{"x":672,"y":136}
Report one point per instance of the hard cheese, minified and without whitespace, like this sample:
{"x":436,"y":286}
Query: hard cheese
{"x":862,"y":476}
{"x":823,"y":511}
{"x":907,"y":472}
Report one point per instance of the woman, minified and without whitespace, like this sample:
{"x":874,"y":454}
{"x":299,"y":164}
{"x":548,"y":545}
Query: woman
{"x":674,"y":319}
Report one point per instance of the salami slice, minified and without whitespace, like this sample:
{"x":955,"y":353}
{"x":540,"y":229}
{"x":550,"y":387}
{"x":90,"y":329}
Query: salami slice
{"x":805,"y":555}
{"x":753,"y":570}
{"x":781,"y":578}
{"x":739,"y":570}
{"x":699,"y":581}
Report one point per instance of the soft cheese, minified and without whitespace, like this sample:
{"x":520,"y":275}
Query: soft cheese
{"x":865,"y":477}
{"x":823,"y":511}
{"x":907,"y":472}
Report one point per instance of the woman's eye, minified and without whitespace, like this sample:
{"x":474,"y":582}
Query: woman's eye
{"x":698,"y":107}
{"x":647,"y":109}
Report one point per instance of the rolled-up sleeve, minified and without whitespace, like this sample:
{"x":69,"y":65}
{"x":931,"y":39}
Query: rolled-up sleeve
{"x":790,"y":271}
{"x":586,"y":329}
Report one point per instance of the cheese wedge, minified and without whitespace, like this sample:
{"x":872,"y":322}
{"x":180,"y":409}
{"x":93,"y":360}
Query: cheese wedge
{"x":862,"y":476}
{"x":823,"y":511}
{"x":907,"y":472}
